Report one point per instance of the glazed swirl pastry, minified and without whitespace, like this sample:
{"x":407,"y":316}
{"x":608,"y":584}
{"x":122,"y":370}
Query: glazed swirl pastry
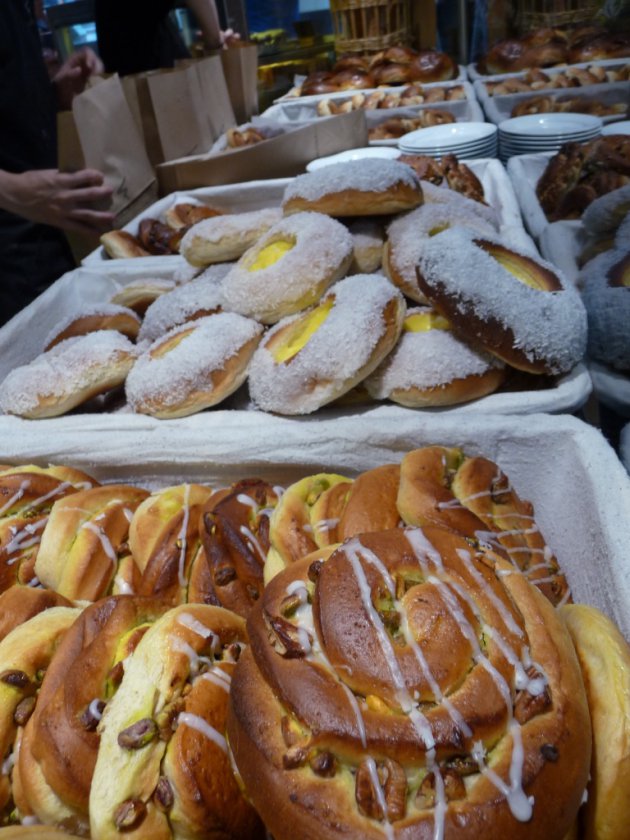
{"x":312,"y":358}
{"x":163,"y":768}
{"x":289,"y":268}
{"x":405,"y":688}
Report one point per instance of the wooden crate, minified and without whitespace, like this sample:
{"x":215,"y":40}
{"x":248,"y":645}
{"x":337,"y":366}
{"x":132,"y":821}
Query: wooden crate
{"x":537,"y":14}
{"x":368,"y":26}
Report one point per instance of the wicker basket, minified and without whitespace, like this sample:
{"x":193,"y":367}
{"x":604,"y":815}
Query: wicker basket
{"x":368,"y":26}
{"x":537,"y":14}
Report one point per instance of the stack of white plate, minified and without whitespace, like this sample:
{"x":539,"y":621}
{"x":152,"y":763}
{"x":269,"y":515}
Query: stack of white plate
{"x":622,"y":127}
{"x":465,"y":140}
{"x":545,"y":132}
{"x":354,"y":154}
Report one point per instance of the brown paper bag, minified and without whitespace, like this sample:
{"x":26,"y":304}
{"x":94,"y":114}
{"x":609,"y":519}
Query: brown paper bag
{"x":240,"y":66}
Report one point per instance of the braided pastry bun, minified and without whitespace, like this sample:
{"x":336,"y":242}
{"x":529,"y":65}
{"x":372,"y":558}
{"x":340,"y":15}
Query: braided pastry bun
{"x":409,"y":687}
{"x":163,"y":768}
{"x":20,"y":603}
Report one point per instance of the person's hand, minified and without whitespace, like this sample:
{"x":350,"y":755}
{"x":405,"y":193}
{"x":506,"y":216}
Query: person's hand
{"x":68,"y":200}
{"x":230,"y":38}
{"x":71,"y":77}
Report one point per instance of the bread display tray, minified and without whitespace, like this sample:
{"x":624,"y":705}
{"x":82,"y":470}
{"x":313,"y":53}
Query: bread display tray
{"x":562,"y":243}
{"x":543,"y":457}
{"x":305,"y":108}
{"x":473,"y":73}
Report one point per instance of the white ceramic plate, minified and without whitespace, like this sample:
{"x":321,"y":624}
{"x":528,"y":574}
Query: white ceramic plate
{"x":622,"y":127}
{"x":354,"y":154}
{"x":554,"y":124}
{"x":449,"y":134}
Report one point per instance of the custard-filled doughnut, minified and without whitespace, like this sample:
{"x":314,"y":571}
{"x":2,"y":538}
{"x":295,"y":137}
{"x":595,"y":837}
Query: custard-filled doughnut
{"x":193,"y":300}
{"x":100,"y":316}
{"x":369,"y":187}
{"x":289,"y":268}
{"x":608,"y":211}
{"x":226,"y":238}
{"x":445,"y":195}
{"x":368,"y":237}
{"x":140,"y":294}
{"x":606,"y":295}
{"x":314,"y":357}
{"x":193,"y":366}
{"x":431,"y":367}
{"x":408,"y":234}
{"x":515,"y":307}
{"x":72,"y":372}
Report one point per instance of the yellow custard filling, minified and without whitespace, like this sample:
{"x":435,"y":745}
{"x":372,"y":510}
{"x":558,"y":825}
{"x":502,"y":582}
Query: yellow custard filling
{"x":169,"y":345}
{"x":525,"y":270}
{"x":425,"y":321}
{"x":303,"y":331}
{"x":271,"y":254}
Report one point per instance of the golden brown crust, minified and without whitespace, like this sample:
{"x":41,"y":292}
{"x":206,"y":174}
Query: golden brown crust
{"x":455,"y":392}
{"x":184,"y":214}
{"x":354,"y":202}
{"x":19,"y":603}
{"x":122,"y":245}
{"x":126,"y":323}
{"x":305,"y":750}
{"x":371,"y":503}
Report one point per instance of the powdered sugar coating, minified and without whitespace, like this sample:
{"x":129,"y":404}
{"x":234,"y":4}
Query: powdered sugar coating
{"x":68,"y":368}
{"x":608,"y":309}
{"x":445,"y":195}
{"x":321,"y":254}
{"x":327,"y":366}
{"x":170,"y":379}
{"x":408,"y":234}
{"x":370,"y":175}
{"x":606,"y":212}
{"x":368,"y":238}
{"x":428,"y":359}
{"x":177,"y":307}
{"x":97,"y":310}
{"x":546,"y":325}
{"x":622,"y":236}
{"x":206,"y":241}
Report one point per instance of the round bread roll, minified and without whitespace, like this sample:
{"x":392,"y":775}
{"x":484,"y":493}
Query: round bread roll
{"x":194,"y":366}
{"x":60,"y":743}
{"x":185,"y":303}
{"x":165,"y":542}
{"x":101,"y":316}
{"x":289,"y":268}
{"x":431,"y":367}
{"x":432,"y":66}
{"x":140,"y":294}
{"x":606,"y":293}
{"x":408,"y":234}
{"x":29,"y":493}
{"x":310,"y":359}
{"x":84,"y":540}
{"x":604,"y":657}
{"x":368,"y":187}
{"x":163,"y":768}
{"x":412,"y":691}
{"x":71,"y":373}
{"x":514,"y":306}
{"x":225,"y":238}
{"x":474,"y":497}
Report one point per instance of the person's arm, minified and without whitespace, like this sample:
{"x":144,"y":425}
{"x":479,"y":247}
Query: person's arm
{"x":66,"y":200}
{"x":207,"y":17}
{"x":71,"y":77}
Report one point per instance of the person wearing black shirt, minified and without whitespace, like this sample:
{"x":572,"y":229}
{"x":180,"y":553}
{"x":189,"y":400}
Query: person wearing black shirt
{"x":36,"y":199}
{"x":138,"y":35}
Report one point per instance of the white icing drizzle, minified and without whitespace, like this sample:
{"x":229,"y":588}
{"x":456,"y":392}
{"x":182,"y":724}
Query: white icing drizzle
{"x":128,"y":514}
{"x":35,"y":583}
{"x":7,"y":764}
{"x":30,"y":819}
{"x":252,"y":542}
{"x":354,"y":703}
{"x":243,"y":499}
{"x":201,"y":725}
{"x":189,"y":621}
{"x":94,"y":710}
{"x":195,"y":660}
{"x":122,"y":586}
{"x":423,"y":550}
{"x":61,"y":488}
{"x":326,"y":524}
{"x":218,"y":677}
{"x":108,"y":548}
{"x":15,"y":497}
{"x":21,"y":540}
{"x":506,"y":616}
{"x":380,"y":797}
{"x":182,"y":537}
{"x":298,"y":587}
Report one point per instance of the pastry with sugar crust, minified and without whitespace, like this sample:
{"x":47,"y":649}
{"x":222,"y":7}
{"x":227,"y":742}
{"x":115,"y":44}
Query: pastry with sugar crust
{"x":101,"y":316}
{"x":226,"y":238}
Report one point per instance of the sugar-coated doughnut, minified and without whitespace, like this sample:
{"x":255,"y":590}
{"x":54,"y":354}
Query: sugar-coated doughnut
{"x":606,"y":213}
{"x":72,"y":372}
{"x":193,"y":300}
{"x":408,"y":234}
{"x":430,"y":366}
{"x":289,"y":268}
{"x":312,"y":358}
{"x":99,"y":316}
{"x":193,"y":366}
{"x":434,"y":194}
{"x":368,"y":187}
{"x":514,"y":306}
{"x":606,"y":294}
{"x":140,"y":294}
{"x":368,"y":238}
{"x":225,"y":238}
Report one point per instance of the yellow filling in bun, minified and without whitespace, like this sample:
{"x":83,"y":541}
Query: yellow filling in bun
{"x":169,"y":345}
{"x":425,"y":321}
{"x":523,"y":270}
{"x":271,"y":254}
{"x":304,"y":329}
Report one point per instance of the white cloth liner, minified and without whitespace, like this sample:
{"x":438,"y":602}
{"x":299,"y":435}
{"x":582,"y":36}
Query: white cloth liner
{"x":562,"y":243}
{"x":624,"y":447}
{"x":474,"y":74}
{"x":543,"y":456}
{"x":612,"y":387}
{"x":525,"y":171}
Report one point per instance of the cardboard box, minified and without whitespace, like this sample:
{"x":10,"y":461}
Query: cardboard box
{"x":279,"y":157}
